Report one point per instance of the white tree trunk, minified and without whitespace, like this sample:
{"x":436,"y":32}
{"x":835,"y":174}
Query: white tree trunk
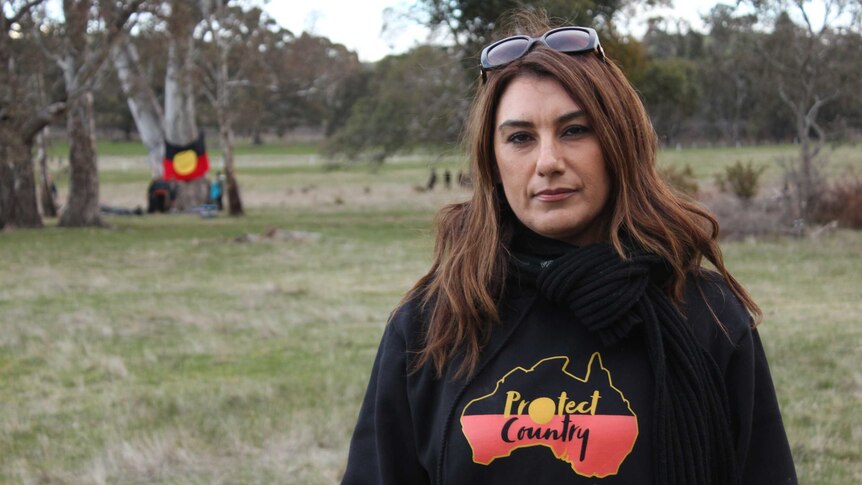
{"x":180,"y":125}
{"x":143,"y":103}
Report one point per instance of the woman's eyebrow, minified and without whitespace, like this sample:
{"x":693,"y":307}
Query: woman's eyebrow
{"x":515,"y":124}
{"x":570,"y":116}
{"x":529,"y":124}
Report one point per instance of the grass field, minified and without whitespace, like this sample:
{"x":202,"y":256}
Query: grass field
{"x":163,"y":351}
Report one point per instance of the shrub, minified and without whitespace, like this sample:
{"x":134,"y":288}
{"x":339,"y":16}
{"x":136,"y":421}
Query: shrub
{"x":741,"y":180}
{"x":681,"y":179}
{"x":803,"y":189}
{"x":740,"y":219}
{"x":842,"y":201}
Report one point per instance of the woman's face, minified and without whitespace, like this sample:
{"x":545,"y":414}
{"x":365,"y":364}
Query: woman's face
{"x":550,"y":162}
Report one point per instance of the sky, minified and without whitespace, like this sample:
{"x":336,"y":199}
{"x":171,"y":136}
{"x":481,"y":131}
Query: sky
{"x":357,"y":24}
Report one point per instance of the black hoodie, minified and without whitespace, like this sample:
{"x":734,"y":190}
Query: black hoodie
{"x":549,"y":404}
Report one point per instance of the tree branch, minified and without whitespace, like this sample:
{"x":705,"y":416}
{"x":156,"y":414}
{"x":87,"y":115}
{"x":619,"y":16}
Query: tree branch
{"x":786,"y":98}
{"x":25,"y":9}
{"x":41,"y":119}
{"x":771,"y":59}
{"x":115,"y":31}
{"x":800,"y":5}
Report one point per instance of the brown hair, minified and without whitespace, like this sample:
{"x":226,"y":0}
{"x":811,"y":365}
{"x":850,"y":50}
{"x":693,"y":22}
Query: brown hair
{"x":462,"y":289}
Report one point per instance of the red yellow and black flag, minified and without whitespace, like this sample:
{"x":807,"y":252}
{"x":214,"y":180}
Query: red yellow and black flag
{"x":186,"y":162}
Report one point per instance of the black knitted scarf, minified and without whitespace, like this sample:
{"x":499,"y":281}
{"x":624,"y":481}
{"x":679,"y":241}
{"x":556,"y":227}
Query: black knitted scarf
{"x":611,"y":296}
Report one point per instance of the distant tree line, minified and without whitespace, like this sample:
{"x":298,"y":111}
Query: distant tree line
{"x":162,"y":69}
{"x":721,"y":85}
{"x":769,"y":75}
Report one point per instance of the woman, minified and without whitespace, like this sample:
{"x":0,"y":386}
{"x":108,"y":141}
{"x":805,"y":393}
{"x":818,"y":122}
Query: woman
{"x":567,"y":331}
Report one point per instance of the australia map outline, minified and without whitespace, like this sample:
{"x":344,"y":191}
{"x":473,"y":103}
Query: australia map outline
{"x":585,"y":422}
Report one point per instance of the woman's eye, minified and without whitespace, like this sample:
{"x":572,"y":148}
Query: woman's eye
{"x":576,"y":130}
{"x":519,"y":138}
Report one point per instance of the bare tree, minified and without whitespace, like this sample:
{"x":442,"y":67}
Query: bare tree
{"x":810,"y":64}
{"x":228,"y":33}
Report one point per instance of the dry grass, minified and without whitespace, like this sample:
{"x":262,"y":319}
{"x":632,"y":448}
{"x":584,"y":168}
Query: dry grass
{"x":161,"y":351}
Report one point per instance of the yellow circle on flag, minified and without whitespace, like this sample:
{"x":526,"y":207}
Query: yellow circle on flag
{"x":541,"y":410}
{"x":185,"y":162}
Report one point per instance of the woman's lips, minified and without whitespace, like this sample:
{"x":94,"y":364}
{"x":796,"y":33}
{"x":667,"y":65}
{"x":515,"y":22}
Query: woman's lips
{"x":554,"y":195}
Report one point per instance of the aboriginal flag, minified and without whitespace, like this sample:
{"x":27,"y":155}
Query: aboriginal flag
{"x":186,"y":162}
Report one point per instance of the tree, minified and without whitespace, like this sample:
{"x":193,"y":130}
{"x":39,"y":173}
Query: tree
{"x":314,"y":82}
{"x":729,"y":71}
{"x":23,"y":115}
{"x":81,"y":53}
{"x":421,"y":97}
{"x":808,"y":66}
{"x":413,"y":99}
{"x":230,"y":46}
{"x":141,"y":99}
{"x":470,"y":23}
{"x":180,"y":123}
{"x":670,"y":92}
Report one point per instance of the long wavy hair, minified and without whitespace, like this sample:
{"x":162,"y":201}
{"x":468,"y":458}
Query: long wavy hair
{"x":462,"y":290}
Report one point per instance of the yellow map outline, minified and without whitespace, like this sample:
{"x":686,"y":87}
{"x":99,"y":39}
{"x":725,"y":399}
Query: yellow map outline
{"x":565,"y":364}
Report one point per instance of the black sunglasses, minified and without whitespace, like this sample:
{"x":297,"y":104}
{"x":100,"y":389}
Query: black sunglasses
{"x":570,"y":40}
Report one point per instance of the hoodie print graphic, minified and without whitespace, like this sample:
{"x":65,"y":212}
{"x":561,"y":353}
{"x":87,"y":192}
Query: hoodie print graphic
{"x":585,"y":422}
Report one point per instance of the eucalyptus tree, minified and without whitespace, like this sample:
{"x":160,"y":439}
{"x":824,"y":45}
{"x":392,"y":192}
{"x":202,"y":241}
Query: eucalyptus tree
{"x":141,"y":97}
{"x":213,"y":50}
{"x":181,"y":126}
{"x":172,"y":23}
{"x":22,"y":115}
{"x":80,"y":53}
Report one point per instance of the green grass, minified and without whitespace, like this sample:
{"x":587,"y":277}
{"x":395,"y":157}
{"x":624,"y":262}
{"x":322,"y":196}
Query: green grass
{"x":707,"y":162}
{"x":163,"y":351}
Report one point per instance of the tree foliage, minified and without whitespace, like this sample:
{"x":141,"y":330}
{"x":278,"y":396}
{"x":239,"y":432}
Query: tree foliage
{"x":314,"y":83}
{"x":413,"y":99}
{"x":471,"y":23}
{"x":670,"y":91}
{"x":771,"y":73}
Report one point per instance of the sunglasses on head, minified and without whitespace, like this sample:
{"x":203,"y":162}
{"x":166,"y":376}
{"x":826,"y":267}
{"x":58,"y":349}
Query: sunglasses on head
{"x":569,"y":40}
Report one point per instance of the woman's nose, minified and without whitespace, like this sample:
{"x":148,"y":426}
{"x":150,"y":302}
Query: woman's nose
{"x":550,"y":160}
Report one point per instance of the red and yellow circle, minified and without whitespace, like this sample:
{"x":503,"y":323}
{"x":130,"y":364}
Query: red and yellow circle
{"x":185,"y":162}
